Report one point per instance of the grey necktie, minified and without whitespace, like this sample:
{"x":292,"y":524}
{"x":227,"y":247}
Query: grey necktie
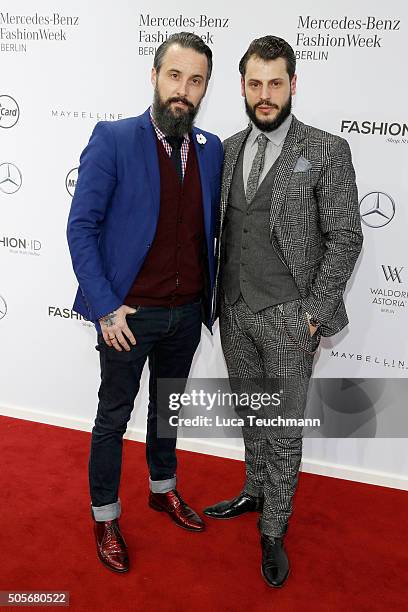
{"x":256,"y":169}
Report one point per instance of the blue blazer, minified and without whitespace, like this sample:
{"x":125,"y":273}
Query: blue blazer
{"x":115,"y":209}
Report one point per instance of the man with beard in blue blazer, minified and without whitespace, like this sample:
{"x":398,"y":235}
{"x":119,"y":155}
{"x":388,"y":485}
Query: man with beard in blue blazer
{"x":141,"y":236}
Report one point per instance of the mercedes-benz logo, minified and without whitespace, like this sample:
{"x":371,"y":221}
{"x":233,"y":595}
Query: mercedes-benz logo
{"x":9,"y":112}
{"x":377,"y":209}
{"x":71,"y":180}
{"x":10,"y":178}
{"x":3,"y":308}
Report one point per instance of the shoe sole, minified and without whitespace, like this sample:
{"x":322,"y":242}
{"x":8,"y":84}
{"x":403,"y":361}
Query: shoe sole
{"x":227,"y":518}
{"x":158,"y":509}
{"x":275,"y":586}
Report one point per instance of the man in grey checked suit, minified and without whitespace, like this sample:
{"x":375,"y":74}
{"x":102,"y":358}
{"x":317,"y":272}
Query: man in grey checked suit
{"x":290,"y":235}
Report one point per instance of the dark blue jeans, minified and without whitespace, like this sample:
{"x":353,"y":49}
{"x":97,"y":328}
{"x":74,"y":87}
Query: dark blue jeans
{"x":168,"y":338}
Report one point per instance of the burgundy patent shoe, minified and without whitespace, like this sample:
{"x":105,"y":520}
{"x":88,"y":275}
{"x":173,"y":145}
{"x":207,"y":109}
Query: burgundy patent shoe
{"x":110,"y":545}
{"x":177,"y":509}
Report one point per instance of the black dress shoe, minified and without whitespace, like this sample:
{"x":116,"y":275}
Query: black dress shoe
{"x":235,"y":507}
{"x":275,"y":563}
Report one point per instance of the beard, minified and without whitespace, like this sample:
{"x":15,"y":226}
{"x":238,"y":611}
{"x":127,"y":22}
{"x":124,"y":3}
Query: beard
{"x":173,"y":122}
{"x":268,"y":125}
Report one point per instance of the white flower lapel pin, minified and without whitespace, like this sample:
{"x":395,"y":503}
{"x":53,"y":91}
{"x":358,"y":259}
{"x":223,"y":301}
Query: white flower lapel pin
{"x":201,"y":139}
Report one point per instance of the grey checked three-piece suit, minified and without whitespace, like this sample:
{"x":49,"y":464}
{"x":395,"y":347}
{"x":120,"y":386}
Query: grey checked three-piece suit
{"x":288,"y":252}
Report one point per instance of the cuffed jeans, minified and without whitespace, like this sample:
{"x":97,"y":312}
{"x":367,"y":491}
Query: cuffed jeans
{"x":168,"y":338}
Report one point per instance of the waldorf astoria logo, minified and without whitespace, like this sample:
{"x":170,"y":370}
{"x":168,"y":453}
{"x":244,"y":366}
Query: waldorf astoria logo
{"x":9,"y":111}
{"x":71,"y":181}
{"x":3,"y":307}
{"x":393,"y":274}
{"x":317,"y":37}
{"x":10,"y":178}
{"x":391,"y":298}
{"x":377,"y":209}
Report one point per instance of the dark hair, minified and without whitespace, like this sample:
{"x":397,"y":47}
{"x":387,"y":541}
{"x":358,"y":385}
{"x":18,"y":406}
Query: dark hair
{"x":270,"y":48}
{"x":187,"y":40}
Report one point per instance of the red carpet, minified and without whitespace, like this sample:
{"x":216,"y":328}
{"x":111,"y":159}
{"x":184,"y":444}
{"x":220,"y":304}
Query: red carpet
{"x":347,"y":542}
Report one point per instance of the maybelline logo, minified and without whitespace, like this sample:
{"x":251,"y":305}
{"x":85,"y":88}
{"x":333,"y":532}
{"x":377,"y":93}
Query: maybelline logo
{"x":377,"y":209}
{"x":22,"y":246}
{"x":400,"y":364}
{"x":10,"y":178}
{"x":3,"y":307}
{"x":76,"y":114}
{"x":71,"y":181}
{"x":67,"y":313}
{"x":9,"y":111}
{"x":381,"y":128}
{"x":392,"y":274}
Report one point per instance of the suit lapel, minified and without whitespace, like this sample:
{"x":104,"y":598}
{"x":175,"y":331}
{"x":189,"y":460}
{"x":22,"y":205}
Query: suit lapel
{"x":205,"y":187}
{"x":293,"y":144}
{"x":151,"y":158}
{"x":230,"y":161}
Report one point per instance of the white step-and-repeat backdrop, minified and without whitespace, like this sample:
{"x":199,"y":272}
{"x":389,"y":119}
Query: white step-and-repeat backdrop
{"x":64,"y":66}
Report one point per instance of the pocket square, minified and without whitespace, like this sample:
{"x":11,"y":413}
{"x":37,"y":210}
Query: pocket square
{"x":302,"y":165}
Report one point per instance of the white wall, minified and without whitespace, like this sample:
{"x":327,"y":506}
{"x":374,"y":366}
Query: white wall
{"x":49,"y":368}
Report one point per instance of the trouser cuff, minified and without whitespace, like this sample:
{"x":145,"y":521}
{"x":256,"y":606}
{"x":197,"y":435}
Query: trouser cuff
{"x":162,"y":486}
{"x":254,"y":490}
{"x":271,"y":529}
{"x":106,"y":513}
